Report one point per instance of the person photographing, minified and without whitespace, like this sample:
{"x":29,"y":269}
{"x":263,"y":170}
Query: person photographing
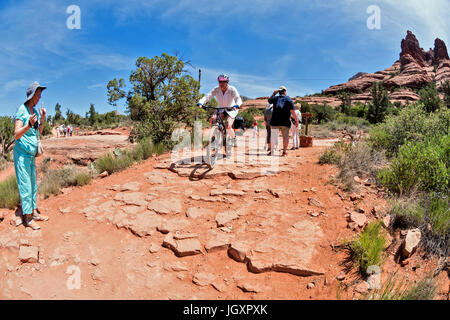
{"x":282,"y":111}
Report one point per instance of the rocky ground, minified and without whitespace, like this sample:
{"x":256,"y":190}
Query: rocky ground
{"x":257,"y":227}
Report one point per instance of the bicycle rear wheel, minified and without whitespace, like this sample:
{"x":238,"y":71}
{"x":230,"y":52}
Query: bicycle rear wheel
{"x":214,"y":146}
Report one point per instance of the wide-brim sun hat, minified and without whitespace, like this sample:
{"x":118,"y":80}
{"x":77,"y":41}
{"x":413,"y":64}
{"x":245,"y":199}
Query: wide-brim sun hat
{"x":32,"y":90}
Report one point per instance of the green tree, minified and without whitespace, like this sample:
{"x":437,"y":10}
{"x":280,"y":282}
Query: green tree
{"x":6,"y":134}
{"x":163,"y":95}
{"x":446,"y":90}
{"x":58,"y":115}
{"x":115,"y":92}
{"x":346,"y":103}
{"x":92,"y":115}
{"x":380,"y":104}
{"x":429,"y":96}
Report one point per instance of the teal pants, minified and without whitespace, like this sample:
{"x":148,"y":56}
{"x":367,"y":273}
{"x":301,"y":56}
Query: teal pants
{"x":25,"y":167}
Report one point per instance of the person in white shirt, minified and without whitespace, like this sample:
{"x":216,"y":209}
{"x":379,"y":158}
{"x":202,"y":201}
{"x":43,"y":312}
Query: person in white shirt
{"x":227,"y":97}
{"x":296,"y":129}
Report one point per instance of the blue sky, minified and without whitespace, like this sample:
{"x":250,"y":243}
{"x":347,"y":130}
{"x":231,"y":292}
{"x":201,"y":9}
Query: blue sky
{"x":262,"y":44}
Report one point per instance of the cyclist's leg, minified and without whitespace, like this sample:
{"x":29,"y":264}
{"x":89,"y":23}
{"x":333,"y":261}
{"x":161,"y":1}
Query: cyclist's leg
{"x":229,"y":125}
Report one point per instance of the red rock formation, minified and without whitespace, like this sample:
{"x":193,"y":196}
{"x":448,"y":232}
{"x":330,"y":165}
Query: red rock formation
{"x":410,"y":46}
{"x":415,"y":69}
{"x":440,"y":51}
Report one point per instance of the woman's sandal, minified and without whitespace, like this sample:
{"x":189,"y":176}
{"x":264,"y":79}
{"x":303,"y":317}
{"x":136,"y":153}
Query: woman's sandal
{"x":31,"y":224}
{"x":39,"y":217}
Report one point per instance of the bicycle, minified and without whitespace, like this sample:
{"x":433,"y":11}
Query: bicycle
{"x":218,"y":138}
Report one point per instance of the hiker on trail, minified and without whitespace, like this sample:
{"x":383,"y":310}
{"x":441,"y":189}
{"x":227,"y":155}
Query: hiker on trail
{"x":283,"y":110}
{"x":296,"y":129}
{"x":227,"y":97}
{"x":255,"y":128}
{"x":28,"y":125}
{"x":267,"y":117}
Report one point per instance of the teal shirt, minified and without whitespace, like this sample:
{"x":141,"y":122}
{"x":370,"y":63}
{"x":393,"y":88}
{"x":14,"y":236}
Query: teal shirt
{"x":28,"y":143}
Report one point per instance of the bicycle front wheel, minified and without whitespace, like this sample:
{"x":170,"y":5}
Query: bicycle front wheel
{"x":214,"y":146}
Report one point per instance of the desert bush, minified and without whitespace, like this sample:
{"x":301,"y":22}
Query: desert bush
{"x":359,"y":160}
{"x":9,"y":193}
{"x":334,"y":154}
{"x":83,"y":178}
{"x":143,"y":150}
{"x":424,"y":166}
{"x":113,"y":164}
{"x":367,"y":249}
{"x":397,"y":289}
{"x":54,"y":180}
{"x":411,"y":124}
{"x":428,"y":212}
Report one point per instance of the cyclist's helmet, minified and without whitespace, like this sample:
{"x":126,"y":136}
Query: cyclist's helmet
{"x":223,"y":78}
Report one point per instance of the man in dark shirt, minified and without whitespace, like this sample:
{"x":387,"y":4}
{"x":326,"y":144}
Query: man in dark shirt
{"x":283,"y":110}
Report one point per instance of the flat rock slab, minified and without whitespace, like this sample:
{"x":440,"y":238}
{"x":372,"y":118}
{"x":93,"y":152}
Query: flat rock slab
{"x":130,"y":186}
{"x":143,"y":224}
{"x":289,"y":250}
{"x":218,"y":241}
{"x":203,"y":279}
{"x":131,"y":198}
{"x":226,"y":192}
{"x":182,"y":247}
{"x":172,"y":225}
{"x":163,"y":206}
{"x":197,"y":212}
{"x":222,"y":218}
{"x":28,"y":254}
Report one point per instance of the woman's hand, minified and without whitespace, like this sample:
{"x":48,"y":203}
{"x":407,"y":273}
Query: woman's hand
{"x":32,"y":119}
{"x":43,"y":114}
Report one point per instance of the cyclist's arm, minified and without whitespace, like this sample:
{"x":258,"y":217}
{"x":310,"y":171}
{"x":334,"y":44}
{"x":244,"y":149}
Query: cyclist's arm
{"x":207,"y":98}
{"x":237,"y":99}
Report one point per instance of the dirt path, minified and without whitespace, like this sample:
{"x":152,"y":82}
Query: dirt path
{"x":161,"y":230}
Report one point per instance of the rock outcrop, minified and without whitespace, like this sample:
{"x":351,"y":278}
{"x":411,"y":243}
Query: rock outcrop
{"x":414,"y":70}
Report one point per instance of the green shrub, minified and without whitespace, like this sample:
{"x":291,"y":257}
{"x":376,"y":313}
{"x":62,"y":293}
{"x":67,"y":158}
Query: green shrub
{"x":411,"y":124}
{"x":83,"y":178}
{"x":248,"y":117}
{"x":367,"y":250}
{"x":334,"y":154}
{"x":429,"y":97}
{"x":330,"y":156}
{"x":423,"y":166}
{"x":322,"y":113}
{"x":9,"y":193}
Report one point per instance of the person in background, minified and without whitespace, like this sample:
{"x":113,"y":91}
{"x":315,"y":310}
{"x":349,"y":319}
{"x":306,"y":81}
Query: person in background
{"x":283,"y":110}
{"x":296,"y":129}
{"x":255,"y":128}
{"x":267,"y":117}
{"x":28,"y":125}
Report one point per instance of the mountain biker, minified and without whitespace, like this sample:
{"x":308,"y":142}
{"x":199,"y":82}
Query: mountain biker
{"x":227,"y":97}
